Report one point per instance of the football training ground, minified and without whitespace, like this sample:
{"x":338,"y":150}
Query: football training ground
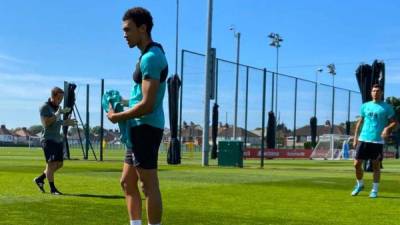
{"x":292,"y":192}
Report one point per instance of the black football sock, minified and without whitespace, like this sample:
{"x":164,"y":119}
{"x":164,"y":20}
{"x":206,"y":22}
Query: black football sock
{"x":41,"y":177}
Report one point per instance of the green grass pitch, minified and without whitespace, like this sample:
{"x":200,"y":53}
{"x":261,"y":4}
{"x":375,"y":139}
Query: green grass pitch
{"x":293,"y":192}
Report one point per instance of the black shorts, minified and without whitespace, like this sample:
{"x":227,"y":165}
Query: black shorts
{"x":145,"y":141}
{"x":53,"y":151}
{"x":368,"y":150}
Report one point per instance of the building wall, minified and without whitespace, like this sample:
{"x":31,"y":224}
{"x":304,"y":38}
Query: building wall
{"x":6,"y":138}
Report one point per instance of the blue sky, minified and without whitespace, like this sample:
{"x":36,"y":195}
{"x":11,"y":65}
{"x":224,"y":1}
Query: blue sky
{"x":43,"y":43}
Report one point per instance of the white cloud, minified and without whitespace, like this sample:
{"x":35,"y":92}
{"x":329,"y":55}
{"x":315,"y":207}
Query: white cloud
{"x":42,"y":78}
{"x":393,"y":74}
{"x":11,"y":59}
{"x":34,"y":86}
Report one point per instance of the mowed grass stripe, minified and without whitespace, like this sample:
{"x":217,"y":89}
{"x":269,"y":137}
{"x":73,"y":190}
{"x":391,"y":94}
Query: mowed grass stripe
{"x":295,"y":192}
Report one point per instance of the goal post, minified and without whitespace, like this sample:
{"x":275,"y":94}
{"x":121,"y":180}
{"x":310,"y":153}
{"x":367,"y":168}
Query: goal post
{"x":332,"y":147}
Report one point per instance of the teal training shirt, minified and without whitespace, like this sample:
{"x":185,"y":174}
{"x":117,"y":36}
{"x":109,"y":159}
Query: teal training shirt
{"x":152,"y":64}
{"x":114,"y":98}
{"x":376,"y":116}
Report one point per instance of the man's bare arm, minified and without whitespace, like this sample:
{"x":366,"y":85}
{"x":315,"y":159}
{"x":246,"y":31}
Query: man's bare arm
{"x":358,"y":125}
{"x":47,"y":121}
{"x":388,"y":129}
{"x":144,"y":107}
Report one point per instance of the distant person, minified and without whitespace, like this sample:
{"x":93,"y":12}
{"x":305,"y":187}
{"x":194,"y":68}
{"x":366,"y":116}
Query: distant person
{"x":51,"y":139}
{"x":377,"y":121}
{"x":145,"y":118}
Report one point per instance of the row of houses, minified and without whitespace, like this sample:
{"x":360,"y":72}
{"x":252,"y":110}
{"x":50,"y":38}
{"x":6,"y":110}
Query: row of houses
{"x":18,"y":136}
{"x":191,"y":133}
{"x":109,"y":135}
{"x":22,"y":136}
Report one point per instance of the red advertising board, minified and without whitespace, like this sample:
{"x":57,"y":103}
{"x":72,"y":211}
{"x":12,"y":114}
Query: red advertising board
{"x":255,"y":153}
{"x":389,"y":154}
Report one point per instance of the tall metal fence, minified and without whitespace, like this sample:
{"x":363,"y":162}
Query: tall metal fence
{"x":295,"y":99}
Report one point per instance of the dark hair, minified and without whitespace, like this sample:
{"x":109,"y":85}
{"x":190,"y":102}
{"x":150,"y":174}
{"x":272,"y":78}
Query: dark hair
{"x":55,"y":91}
{"x":377,"y":86}
{"x":140,"y":16}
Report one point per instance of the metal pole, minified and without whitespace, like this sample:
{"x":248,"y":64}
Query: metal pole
{"x":348,"y":107}
{"x":246,"y":106}
{"x":205,"y":144}
{"x":272,"y":91}
{"x":77,"y":128}
{"x":315,"y":93}
{"x":216,"y":81}
{"x":101,"y":121}
{"x":263,"y":118}
{"x":276,"y":89}
{"x":87,"y":123}
{"x":295,"y":114}
{"x":276,"y":81}
{"x":332,"y":145}
{"x":66,"y":144}
{"x":333,"y":104}
{"x":236,"y":85}
{"x":181,"y":96}
{"x":176,"y":37}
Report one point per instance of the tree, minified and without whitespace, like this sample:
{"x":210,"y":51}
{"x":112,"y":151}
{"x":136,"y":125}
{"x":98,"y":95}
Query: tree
{"x":282,"y":127}
{"x":96,"y":130}
{"x":395,"y":102}
{"x":281,"y":132}
{"x":35,"y":129}
{"x":352,"y":126}
{"x":73,"y":130}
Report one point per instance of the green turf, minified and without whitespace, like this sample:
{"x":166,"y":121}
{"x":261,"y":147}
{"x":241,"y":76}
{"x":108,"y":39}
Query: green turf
{"x":295,"y":192}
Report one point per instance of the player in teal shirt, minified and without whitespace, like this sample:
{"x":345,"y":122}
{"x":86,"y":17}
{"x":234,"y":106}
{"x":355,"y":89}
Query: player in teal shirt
{"x":376,"y":116}
{"x":145,"y":118}
{"x":377,"y":121}
{"x":153,"y":65}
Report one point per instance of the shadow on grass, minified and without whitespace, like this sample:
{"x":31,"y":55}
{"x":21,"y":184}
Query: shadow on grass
{"x":389,"y":197}
{"x":96,"y":196}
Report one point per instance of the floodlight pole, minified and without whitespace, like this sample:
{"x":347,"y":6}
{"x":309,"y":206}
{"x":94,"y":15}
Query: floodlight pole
{"x":348,"y":106}
{"x":176,"y":37}
{"x":246,"y":106}
{"x":333,"y":104}
{"x":205,"y":144}
{"x":316,"y":91}
{"x":237,"y":36}
{"x":332,"y":71}
{"x":276,"y":42}
{"x":276,"y":80}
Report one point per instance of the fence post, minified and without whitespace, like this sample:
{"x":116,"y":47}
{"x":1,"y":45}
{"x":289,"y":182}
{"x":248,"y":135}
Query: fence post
{"x":263,"y":117}
{"x":295,"y":114}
